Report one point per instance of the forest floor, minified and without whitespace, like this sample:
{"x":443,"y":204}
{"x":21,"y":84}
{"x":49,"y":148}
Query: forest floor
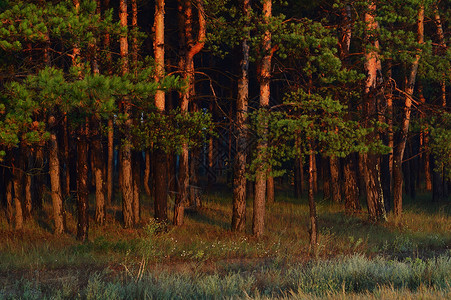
{"x":204,"y":259}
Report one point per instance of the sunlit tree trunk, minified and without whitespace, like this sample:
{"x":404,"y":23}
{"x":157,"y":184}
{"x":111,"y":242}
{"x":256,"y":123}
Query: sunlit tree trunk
{"x":371,"y":162}
{"x":258,"y":221}
{"x":17,"y":171}
{"x":335,"y":179}
{"x":97,"y":171}
{"x":55,"y":183}
{"x":399,"y":150}
{"x":239,"y":178}
{"x":126,"y":165}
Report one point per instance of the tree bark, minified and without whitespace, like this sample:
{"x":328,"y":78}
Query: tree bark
{"x":270,"y":189}
{"x":160,"y":170}
{"x":239,"y":178}
{"x":313,"y":230}
{"x":147,"y":173}
{"x":399,"y":150}
{"x":110,"y":162}
{"x":17,"y":172}
{"x":335,"y":179}
{"x":9,"y":199}
{"x":126,"y":166}
{"x":190,"y":47}
{"x":350,"y":184}
{"x":82,"y":185}
{"x":97,"y":171}
{"x":136,"y":185}
{"x":371,"y":163}
{"x":55,"y":183}
{"x":258,"y":220}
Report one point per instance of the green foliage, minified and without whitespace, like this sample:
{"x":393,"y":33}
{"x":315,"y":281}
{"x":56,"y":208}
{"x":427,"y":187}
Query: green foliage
{"x":440,"y":144}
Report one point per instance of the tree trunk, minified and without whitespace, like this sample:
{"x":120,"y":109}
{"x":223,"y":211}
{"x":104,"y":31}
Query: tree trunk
{"x":82,"y":185}
{"x":325,"y":166}
{"x":147,"y":173}
{"x":264,"y":79}
{"x":313,"y":230}
{"x":239,"y":178}
{"x":160,"y":170}
{"x":110,"y":161}
{"x":399,"y":150}
{"x":126,"y":166}
{"x":270,"y":189}
{"x":54,"y":170}
{"x":136,"y":185}
{"x":97,"y":171}
{"x":371,"y":163}
{"x":17,"y":172}
{"x":335,"y":179}
{"x":9,"y":199}
{"x":190,"y":47}
{"x":350,"y":184}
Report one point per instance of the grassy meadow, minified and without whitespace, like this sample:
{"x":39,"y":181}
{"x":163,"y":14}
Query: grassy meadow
{"x":203,"y":259}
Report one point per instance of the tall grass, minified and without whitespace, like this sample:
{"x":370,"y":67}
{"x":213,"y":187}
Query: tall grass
{"x":353,"y":276}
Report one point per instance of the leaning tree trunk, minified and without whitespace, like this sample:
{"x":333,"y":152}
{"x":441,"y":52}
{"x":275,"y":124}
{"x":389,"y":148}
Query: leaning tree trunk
{"x":258,"y":221}
{"x":399,"y":150}
{"x":239,"y":178}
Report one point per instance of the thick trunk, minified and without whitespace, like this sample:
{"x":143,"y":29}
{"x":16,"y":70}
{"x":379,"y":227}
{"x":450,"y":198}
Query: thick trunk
{"x":399,"y":150}
{"x":82,"y":186}
{"x":373,"y":88}
{"x":350,"y":184}
{"x":55,"y":183}
{"x":270,"y":189}
{"x":264,"y":79}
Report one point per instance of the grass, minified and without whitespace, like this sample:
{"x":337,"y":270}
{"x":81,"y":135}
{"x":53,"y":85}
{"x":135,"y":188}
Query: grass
{"x":203,"y":259}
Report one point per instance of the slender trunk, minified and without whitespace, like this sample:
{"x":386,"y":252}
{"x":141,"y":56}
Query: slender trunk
{"x":313,"y":230}
{"x":54,"y":170}
{"x":82,"y":185}
{"x":97,"y":171}
{"x":147,"y":173}
{"x":399,"y":150}
{"x":110,"y":162}
{"x":239,"y":178}
{"x":134,"y":42}
{"x":160,"y":170}
{"x":28,"y":205}
{"x":65,"y":159}
{"x":325,"y":166}
{"x":264,"y":79}
{"x":126,"y":166}
{"x":136,"y":185}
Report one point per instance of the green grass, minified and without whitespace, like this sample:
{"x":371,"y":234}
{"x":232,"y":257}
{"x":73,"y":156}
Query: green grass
{"x":204,"y":259}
